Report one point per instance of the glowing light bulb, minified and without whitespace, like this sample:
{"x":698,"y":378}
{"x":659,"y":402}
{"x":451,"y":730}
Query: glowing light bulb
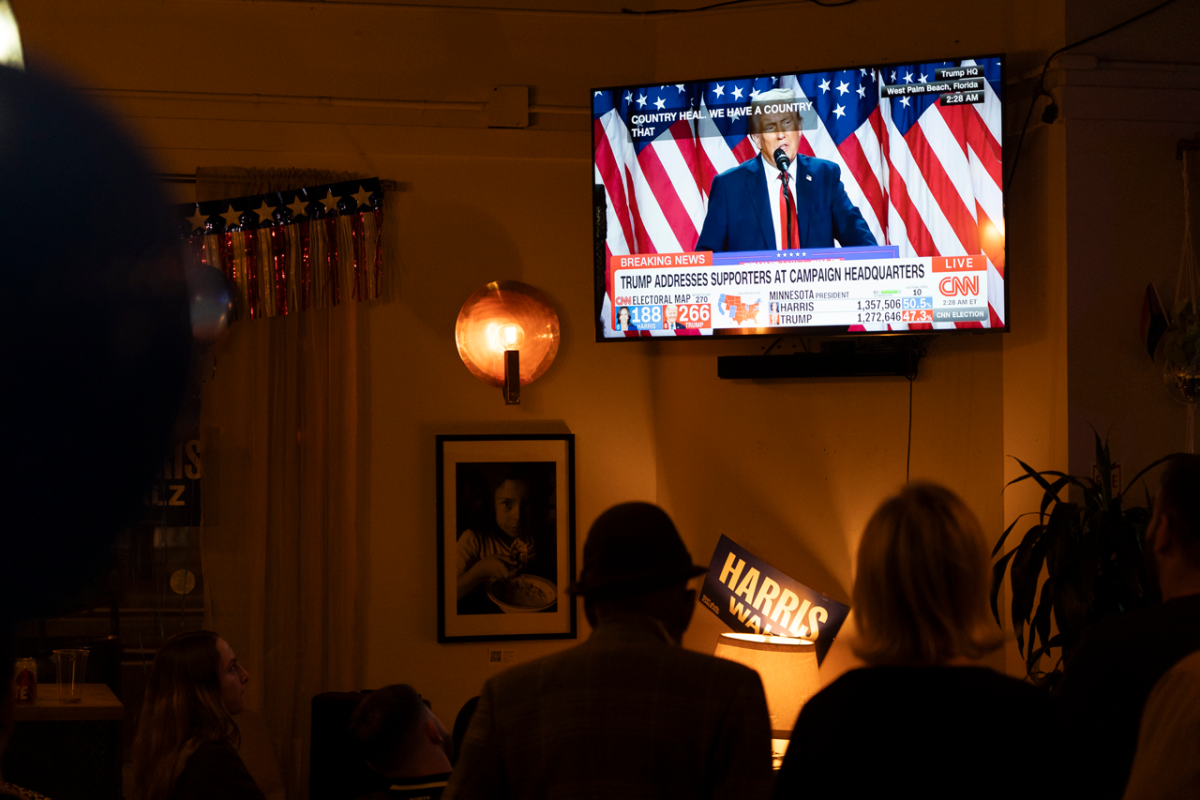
{"x":491,"y":335}
{"x":511,"y":336}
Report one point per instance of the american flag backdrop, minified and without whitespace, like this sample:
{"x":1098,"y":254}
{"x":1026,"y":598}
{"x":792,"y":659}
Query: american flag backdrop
{"x":926,"y":177}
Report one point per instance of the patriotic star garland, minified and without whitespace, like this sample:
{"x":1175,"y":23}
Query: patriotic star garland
{"x":287,"y":252}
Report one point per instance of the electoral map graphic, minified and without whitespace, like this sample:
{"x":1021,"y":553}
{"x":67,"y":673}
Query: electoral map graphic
{"x":740,"y":309}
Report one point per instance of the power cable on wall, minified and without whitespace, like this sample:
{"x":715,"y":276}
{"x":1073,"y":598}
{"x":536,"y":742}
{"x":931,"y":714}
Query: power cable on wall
{"x":919,"y":351}
{"x":908,"y":454}
{"x":1051,"y":111}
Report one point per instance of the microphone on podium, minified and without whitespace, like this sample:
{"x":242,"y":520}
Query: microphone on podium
{"x":781,"y":161}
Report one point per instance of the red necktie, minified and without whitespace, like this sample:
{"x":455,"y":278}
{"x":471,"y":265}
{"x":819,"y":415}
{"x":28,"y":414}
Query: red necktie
{"x":787,"y":211}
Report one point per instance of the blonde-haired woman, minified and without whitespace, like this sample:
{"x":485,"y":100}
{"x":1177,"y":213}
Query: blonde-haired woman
{"x":922,"y":717}
{"x":186,"y":744}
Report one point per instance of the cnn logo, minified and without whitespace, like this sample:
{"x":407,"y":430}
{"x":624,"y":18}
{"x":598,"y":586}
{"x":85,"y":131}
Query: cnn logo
{"x":954,"y":285}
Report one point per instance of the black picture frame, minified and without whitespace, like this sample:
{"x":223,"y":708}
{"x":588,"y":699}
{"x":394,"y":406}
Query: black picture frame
{"x":481,"y":479}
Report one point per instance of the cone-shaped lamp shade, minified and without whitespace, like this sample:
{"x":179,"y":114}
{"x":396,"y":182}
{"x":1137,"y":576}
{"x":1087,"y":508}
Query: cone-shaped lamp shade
{"x":507,"y":315}
{"x":788,"y":668}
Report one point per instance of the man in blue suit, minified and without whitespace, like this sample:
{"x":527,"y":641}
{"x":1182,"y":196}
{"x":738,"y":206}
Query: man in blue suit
{"x":748,"y":208}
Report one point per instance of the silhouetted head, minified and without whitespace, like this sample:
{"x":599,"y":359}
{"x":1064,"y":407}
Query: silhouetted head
{"x":1173,"y":535}
{"x":920,"y":592}
{"x":399,"y":734}
{"x":635,"y":562}
{"x":94,"y":336}
{"x":1179,"y":501}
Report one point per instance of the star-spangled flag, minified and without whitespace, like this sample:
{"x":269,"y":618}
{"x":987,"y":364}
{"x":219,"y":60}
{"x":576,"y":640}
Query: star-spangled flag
{"x":945,"y":178}
{"x":926,"y":177}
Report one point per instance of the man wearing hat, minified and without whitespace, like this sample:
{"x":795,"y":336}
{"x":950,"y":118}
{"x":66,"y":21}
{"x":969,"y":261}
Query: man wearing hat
{"x":629,"y":712}
{"x":753,"y":206}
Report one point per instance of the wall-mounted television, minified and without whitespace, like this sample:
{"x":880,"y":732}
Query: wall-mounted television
{"x":863,"y":200}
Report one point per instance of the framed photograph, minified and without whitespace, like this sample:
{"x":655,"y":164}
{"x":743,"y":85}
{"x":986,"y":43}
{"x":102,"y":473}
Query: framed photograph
{"x":506,"y":536}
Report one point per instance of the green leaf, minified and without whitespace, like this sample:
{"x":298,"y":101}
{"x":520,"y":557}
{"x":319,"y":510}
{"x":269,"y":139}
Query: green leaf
{"x":1041,"y":618}
{"x":1051,"y":495}
{"x":1024,"y":583}
{"x":1087,"y":484}
{"x":1030,"y":472}
{"x":1031,"y":659}
{"x":998,"y":581}
{"x":1007,"y":531}
{"x":1104,"y":467}
{"x":1075,"y":599}
{"x":1039,"y":627}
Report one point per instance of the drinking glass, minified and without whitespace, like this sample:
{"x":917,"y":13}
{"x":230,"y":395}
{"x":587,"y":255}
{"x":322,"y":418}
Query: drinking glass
{"x":71,"y":666}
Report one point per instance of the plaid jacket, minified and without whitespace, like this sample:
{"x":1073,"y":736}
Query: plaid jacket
{"x":625,"y":714}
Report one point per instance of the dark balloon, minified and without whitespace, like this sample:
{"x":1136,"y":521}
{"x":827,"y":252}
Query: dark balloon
{"x":211,"y":296}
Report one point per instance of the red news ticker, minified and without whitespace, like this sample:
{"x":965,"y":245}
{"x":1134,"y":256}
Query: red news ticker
{"x":662,"y":260}
{"x":976,"y":263}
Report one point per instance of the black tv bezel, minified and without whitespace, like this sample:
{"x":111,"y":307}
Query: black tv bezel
{"x":599,"y":265}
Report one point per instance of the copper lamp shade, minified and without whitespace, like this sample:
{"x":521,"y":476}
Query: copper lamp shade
{"x":501,"y":320}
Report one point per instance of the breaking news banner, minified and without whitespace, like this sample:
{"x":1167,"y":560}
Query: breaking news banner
{"x":673,"y":291}
{"x":751,"y":596}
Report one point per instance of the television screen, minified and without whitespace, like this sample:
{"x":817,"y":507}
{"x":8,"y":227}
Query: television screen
{"x":859,"y":200}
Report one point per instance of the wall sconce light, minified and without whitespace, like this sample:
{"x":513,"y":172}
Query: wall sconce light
{"x":507,"y":335}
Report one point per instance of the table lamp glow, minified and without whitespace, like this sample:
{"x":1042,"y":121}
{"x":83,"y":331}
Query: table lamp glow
{"x":788,"y":668}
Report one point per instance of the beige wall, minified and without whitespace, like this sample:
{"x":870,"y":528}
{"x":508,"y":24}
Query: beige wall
{"x":790,"y":469}
{"x":1125,"y":221}
{"x":1115,"y":387}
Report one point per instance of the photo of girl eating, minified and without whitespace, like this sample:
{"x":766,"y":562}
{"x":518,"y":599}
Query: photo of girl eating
{"x":507,"y":522}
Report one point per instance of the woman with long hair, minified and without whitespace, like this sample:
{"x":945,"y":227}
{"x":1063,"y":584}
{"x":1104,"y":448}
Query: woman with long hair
{"x":923,"y":713}
{"x":186,"y":744}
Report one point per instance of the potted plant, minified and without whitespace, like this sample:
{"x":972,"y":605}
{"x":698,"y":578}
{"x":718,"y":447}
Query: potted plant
{"x":1094,"y":557}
